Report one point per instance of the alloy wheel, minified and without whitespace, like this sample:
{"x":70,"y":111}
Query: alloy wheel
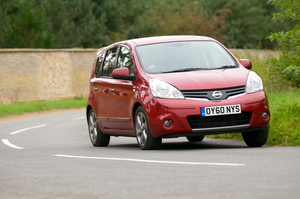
{"x":141,"y":128}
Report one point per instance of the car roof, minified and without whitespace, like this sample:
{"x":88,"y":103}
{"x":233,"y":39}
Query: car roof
{"x":162,"y":39}
{"x":157,"y":39}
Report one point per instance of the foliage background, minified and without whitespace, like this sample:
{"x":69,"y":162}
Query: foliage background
{"x":287,"y":65}
{"x":95,"y":23}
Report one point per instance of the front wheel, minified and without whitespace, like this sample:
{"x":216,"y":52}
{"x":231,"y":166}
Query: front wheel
{"x":142,"y":131}
{"x":96,"y":136}
{"x":256,"y":138}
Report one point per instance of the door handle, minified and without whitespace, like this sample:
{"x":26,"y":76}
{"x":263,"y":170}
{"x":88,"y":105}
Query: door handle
{"x":95,"y":88}
{"x":111,"y":90}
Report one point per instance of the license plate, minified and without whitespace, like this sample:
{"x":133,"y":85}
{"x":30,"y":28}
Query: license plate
{"x":220,"y":110}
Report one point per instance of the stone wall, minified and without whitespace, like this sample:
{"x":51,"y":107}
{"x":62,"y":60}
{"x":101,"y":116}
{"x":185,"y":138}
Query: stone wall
{"x":40,"y":74}
{"x":52,"y":74}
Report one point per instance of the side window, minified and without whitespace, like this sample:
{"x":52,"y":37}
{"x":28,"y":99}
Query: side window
{"x":125,"y":60}
{"x":99,"y":62}
{"x":110,"y":62}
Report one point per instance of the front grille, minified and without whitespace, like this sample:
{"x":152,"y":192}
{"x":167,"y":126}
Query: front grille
{"x":208,"y":94}
{"x":197,"y":121}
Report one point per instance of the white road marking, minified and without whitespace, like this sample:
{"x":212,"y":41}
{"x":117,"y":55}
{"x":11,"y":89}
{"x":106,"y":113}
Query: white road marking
{"x":6,"y":142}
{"x":150,"y":161}
{"x":79,"y":118}
{"x":15,"y":132}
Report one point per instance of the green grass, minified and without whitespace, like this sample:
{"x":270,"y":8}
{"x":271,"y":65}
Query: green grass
{"x":285,"y":118}
{"x":17,"y":108}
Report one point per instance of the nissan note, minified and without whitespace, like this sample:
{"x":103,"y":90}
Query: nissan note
{"x":173,"y":86}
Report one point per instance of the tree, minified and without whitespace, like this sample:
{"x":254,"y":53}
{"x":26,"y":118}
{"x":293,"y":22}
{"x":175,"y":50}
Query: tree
{"x":248,"y":24}
{"x":74,"y":23}
{"x":118,"y":17}
{"x":5,"y":22}
{"x":95,"y":23}
{"x":50,"y":24}
{"x":180,"y":17}
{"x":24,"y":26}
{"x":288,"y":64}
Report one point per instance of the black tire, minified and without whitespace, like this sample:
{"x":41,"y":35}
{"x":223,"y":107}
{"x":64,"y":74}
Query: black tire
{"x":96,"y":136}
{"x":142,"y":131}
{"x":195,"y":138}
{"x":256,"y":138}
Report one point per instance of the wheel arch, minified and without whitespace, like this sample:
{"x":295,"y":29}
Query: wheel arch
{"x":135,"y":107}
{"x":88,"y":108}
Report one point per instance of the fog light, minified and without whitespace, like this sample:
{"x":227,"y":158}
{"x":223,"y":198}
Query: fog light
{"x":167,"y":123}
{"x":265,"y":115}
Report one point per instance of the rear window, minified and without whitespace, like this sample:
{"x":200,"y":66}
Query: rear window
{"x":110,"y":62}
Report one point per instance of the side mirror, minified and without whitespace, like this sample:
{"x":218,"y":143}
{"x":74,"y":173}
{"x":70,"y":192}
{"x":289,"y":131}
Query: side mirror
{"x":246,"y":63}
{"x":123,"y":73}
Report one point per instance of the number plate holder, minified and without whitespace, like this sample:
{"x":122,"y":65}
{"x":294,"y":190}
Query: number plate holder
{"x":220,"y":110}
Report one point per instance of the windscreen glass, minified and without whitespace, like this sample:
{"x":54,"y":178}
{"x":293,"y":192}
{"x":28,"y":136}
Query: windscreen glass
{"x":184,"y":56}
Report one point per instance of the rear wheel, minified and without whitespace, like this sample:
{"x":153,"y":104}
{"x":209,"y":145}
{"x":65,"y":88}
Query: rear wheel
{"x":96,"y":136}
{"x":256,"y":138}
{"x":142,"y":131}
{"x":195,"y":138}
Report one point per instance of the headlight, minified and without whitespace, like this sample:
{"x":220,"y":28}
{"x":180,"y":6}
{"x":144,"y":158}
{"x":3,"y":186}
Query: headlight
{"x":164,"y":90}
{"x":254,"y":83}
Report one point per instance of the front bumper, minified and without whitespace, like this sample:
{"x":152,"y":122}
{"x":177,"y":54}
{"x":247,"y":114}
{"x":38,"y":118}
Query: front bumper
{"x":177,"y":111}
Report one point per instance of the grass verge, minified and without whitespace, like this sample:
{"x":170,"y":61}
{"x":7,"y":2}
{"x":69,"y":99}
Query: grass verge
{"x":285,"y":118}
{"x":18,"y":108}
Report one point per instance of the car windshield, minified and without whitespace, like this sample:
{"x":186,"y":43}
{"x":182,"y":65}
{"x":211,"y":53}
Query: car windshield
{"x":184,"y":56}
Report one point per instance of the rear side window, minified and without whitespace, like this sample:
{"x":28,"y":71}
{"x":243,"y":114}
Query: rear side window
{"x":99,"y":62}
{"x":125,"y":59}
{"x":110,"y":62}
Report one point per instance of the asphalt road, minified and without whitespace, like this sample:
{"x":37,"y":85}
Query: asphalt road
{"x":52,"y":157}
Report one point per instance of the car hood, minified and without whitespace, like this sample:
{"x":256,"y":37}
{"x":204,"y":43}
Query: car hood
{"x":210,"y":79}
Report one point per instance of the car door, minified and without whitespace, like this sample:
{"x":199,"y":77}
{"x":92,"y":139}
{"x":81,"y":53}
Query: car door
{"x":118,"y":100}
{"x":102,"y":85}
{"x":96,"y":84}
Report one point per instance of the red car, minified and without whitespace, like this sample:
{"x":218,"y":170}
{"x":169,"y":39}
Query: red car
{"x":172,"y":86}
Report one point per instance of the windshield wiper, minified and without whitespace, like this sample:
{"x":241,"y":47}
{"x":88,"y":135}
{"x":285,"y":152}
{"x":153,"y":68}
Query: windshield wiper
{"x":186,"y":70}
{"x":226,"y":66}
